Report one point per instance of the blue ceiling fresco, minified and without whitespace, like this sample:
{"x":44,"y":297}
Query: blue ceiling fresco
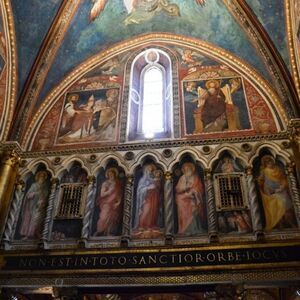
{"x":32,"y":21}
{"x":271,"y":14}
{"x":212,"y":23}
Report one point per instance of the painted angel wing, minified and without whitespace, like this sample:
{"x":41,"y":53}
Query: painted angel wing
{"x":200,"y":2}
{"x":97,"y":8}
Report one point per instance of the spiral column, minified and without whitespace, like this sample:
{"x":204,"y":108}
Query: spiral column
{"x":254,"y":205}
{"x":211,"y":207}
{"x":168,"y":205}
{"x":49,"y":212}
{"x":127,"y":208}
{"x":86,"y":223}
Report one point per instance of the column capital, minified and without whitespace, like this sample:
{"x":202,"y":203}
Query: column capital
{"x":168,"y":175}
{"x":290,"y":168}
{"x":91,"y":179}
{"x":129,"y":178}
{"x":249,"y":170}
{"x":208,"y":173}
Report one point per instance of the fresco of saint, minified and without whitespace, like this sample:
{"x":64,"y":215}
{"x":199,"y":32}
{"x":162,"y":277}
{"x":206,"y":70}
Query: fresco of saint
{"x":191,"y":209}
{"x":34,"y":205}
{"x":148,"y":202}
{"x":213,"y":105}
{"x":110,"y":204}
{"x":274,"y":191}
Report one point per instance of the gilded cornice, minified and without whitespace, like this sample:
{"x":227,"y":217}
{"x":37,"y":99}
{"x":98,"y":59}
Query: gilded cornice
{"x":210,"y":50}
{"x":292,"y":43}
{"x":11,"y":63}
{"x":42,"y":65}
{"x":273,"y":61}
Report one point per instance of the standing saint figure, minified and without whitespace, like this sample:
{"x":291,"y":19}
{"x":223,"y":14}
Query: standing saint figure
{"x":34,"y":206}
{"x":273,"y":186}
{"x":190,"y":202}
{"x":148,"y":199}
{"x":110,"y":204}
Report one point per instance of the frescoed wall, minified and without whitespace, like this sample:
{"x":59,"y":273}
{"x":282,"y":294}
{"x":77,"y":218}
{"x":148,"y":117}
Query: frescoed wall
{"x":89,"y":35}
{"x":214,"y":100}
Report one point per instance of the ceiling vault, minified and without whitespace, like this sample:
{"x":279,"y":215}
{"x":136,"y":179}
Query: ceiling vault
{"x":42,"y":64}
{"x":263,"y":43}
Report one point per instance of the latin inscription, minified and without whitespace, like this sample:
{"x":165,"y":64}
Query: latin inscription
{"x":142,"y":260}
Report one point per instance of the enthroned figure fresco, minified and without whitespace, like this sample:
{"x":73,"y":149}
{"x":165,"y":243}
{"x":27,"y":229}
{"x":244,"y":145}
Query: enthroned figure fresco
{"x":32,"y":214}
{"x":67,"y":223}
{"x":190,"y":199}
{"x":108,"y":212}
{"x":215,"y":105}
{"x":148,"y":220}
{"x":232,"y":206}
{"x":274,"y":193}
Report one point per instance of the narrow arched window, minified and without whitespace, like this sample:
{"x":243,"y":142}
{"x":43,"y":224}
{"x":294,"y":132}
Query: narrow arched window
{"x":150,"y":103}
{"x":153,"y":98}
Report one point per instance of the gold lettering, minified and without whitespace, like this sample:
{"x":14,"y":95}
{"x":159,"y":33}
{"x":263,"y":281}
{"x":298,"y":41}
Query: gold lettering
{"x":230,"y":256}
{"x":83,"y":261}
{"x":173,"y":256}
{"x":188,"y":258}
{"x":267,"y":254}
{"x":94,"y":259}
{"x":134,"y":260}
{"x":103,"y":261}
{"x":23,"y":263}
{"x":199,"y":258}
{"x":221,"y":256}
{"x":238,"y":256}
{"x":122,"y":260}
{"x":152,"y":259}
{"x":68,"y":261}
{"x":211,"y":257}
{"x":142,"y":261}
{"x":113,"y":260}
{"x":163,"y":259}
{"x":256,"y":255}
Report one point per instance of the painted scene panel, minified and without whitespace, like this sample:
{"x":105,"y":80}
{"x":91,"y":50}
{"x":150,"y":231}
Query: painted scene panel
{"x":89,"y":116}
{"x":215,"y":105}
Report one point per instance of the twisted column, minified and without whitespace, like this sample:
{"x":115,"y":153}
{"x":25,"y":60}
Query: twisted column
{"x":9,"y":163}
{"x":294,"y":191}
{"x":254,"y":205}
{"x":211,"y":207}
{"x":127,"y":207}
{"x":88,"y":208}
{"x":14,"y":210}
{"x":168,"y":205}
{"x":49,"y":211}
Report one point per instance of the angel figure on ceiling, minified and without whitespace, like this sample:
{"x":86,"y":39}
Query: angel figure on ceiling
{"x":140,"y":11}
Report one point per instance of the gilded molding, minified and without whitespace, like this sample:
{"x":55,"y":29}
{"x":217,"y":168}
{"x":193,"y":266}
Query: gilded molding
{"x":292,"y":43}
{"x":11,"y":52}
{"x":154,"y":38}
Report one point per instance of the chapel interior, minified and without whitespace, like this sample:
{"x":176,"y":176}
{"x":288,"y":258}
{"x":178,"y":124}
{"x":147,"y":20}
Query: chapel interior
{"x":150,"y":149}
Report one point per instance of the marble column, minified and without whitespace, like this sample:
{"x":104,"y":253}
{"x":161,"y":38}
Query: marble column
{"x":127,"y":208}
{"x":14,"y":211}
{"x":294,"y":190}
{"x":168,"y":206}
{"x":49,"y":212}
{"x":256,"y":216}
{"x":9,"y":162}
{"x":211,"y":207}
{"x":88,"y":213}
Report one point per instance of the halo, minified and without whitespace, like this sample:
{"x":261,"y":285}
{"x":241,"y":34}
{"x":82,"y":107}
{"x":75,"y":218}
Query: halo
{"x":212,"y":83}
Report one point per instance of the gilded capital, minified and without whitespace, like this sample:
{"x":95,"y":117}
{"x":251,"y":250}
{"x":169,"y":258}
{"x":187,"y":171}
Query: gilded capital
{"x":208,"y":173}
{"x":168,"y":175}
{"x":129,"y":179}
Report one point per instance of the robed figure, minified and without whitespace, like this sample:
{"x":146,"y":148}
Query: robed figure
{"x":148,"y":204}
{"x":190,"y":202}
{"x":277,"y":204}
{"x":34,"y":205}
{"x":110,"y":204}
